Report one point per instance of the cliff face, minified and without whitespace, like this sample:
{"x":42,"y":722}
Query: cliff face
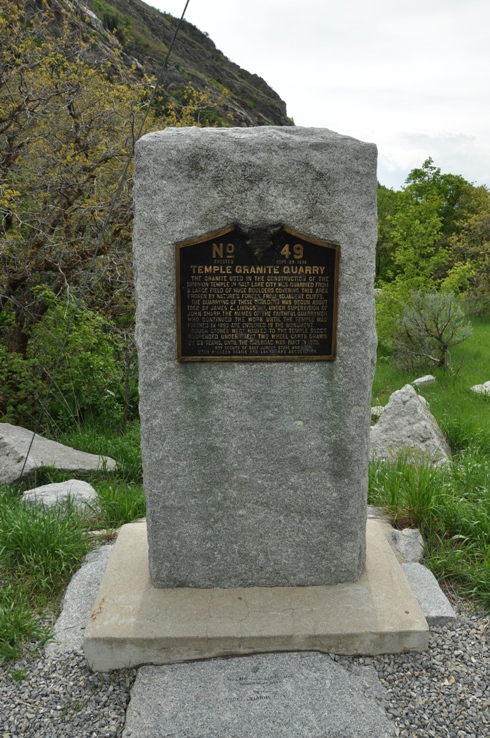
{"x":146,"y":34}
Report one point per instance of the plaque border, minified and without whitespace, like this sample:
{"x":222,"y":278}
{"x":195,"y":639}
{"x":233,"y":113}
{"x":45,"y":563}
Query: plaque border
{"x":223,"y":231}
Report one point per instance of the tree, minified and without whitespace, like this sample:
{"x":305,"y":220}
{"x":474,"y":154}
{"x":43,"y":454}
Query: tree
{"x":470,"y":272}
{"x":416,"y":260}
{"x":68,"y":123}
{"x":426,"y":242}
{"x":387,"y":199}
{"x":450,"y":189}
{"x":416,"y":223}
{"x":70,"y":110}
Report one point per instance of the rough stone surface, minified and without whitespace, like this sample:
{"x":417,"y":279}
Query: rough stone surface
{"x":78,"y":601}
{"x":14,"y":445}
{"x":256,"y":472}
{"x":268,"y":695}
{"x":482,"y":389}
{"x":408,"y":426}
{"x":60,"y":492}
{"x":434,"y":603}
{"x":424,"y":381}
{"x":409,"y":543}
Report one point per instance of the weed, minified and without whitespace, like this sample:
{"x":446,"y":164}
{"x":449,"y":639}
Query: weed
{"x":19,"y":675}
{"x":19,"y":624}
{"x":42,"y":546}
{"x":118,"y":504}
{"x":410,"y":491}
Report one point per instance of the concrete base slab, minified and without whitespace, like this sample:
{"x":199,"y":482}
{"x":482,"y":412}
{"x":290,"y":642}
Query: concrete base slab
{"x":134,"y":623}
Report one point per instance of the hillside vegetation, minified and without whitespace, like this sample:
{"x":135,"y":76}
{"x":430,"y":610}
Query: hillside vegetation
{"x":433,"y":264}
{"x":145,"y":34}
{"x":74,"y":92}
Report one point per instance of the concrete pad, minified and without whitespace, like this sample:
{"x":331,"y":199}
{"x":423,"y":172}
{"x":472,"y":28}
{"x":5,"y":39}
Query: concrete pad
{"x":275,"y":695}
{"x":434,"y":603}
{"x":134,"y":623}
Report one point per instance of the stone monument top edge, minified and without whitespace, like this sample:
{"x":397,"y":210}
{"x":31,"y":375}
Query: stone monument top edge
{"x":265,"y":132}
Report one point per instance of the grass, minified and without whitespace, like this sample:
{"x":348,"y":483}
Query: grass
{"x":470,"y":364}
{"x":463,"y":415}
{"x":41,"y":548}
{"x":20,"y":625}
{"x":123,"y":447}
{"x":119,"y":503}
{"x":410,"y":492}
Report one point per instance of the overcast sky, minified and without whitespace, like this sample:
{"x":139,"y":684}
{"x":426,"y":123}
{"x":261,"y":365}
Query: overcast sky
{"x":411,"y":76}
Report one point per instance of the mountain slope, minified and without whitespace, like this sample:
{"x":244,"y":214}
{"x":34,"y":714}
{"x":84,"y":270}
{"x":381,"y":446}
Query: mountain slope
{"x":146,"y":34}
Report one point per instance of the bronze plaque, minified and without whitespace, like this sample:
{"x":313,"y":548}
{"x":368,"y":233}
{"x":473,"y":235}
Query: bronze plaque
{"x":267,"y":294}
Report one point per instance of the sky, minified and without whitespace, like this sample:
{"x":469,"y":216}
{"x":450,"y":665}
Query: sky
{"x":411,"y":76}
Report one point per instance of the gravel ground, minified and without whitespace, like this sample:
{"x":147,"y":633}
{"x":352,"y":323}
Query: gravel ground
{"x":443,"y":692}
{"x":61,"y":698}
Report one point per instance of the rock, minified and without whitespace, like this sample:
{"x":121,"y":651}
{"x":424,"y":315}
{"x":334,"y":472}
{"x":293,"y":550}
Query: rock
{"x":410,"y":544}
{"x":423,"y":381}
{"x":273,"y":695}
{"x":59,"y":493}
{"x":376,"y":413}
{"x":14,"y":446}
{"x":263,"y":484}
{"x":78,"y":602}
{"x":482,"y":389}
{"x":408,"y":426}
{"x":432,"y":600}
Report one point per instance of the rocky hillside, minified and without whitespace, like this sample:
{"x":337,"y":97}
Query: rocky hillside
{"x":145,"y":35}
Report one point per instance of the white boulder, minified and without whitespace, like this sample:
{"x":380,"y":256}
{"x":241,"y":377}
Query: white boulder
{"x":408,"y":426}
{"x":60,"y":492}
{"x":424,"y":381}
{"x":14,"y":447}
{"x":482,"y":389}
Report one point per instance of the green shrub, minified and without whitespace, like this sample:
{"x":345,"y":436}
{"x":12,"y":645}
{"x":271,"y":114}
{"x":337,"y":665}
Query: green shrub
{"x":431,"y":323}
{"x":77,"y":367}
{"x":85,"y":376}
{"x":20,"y":388}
